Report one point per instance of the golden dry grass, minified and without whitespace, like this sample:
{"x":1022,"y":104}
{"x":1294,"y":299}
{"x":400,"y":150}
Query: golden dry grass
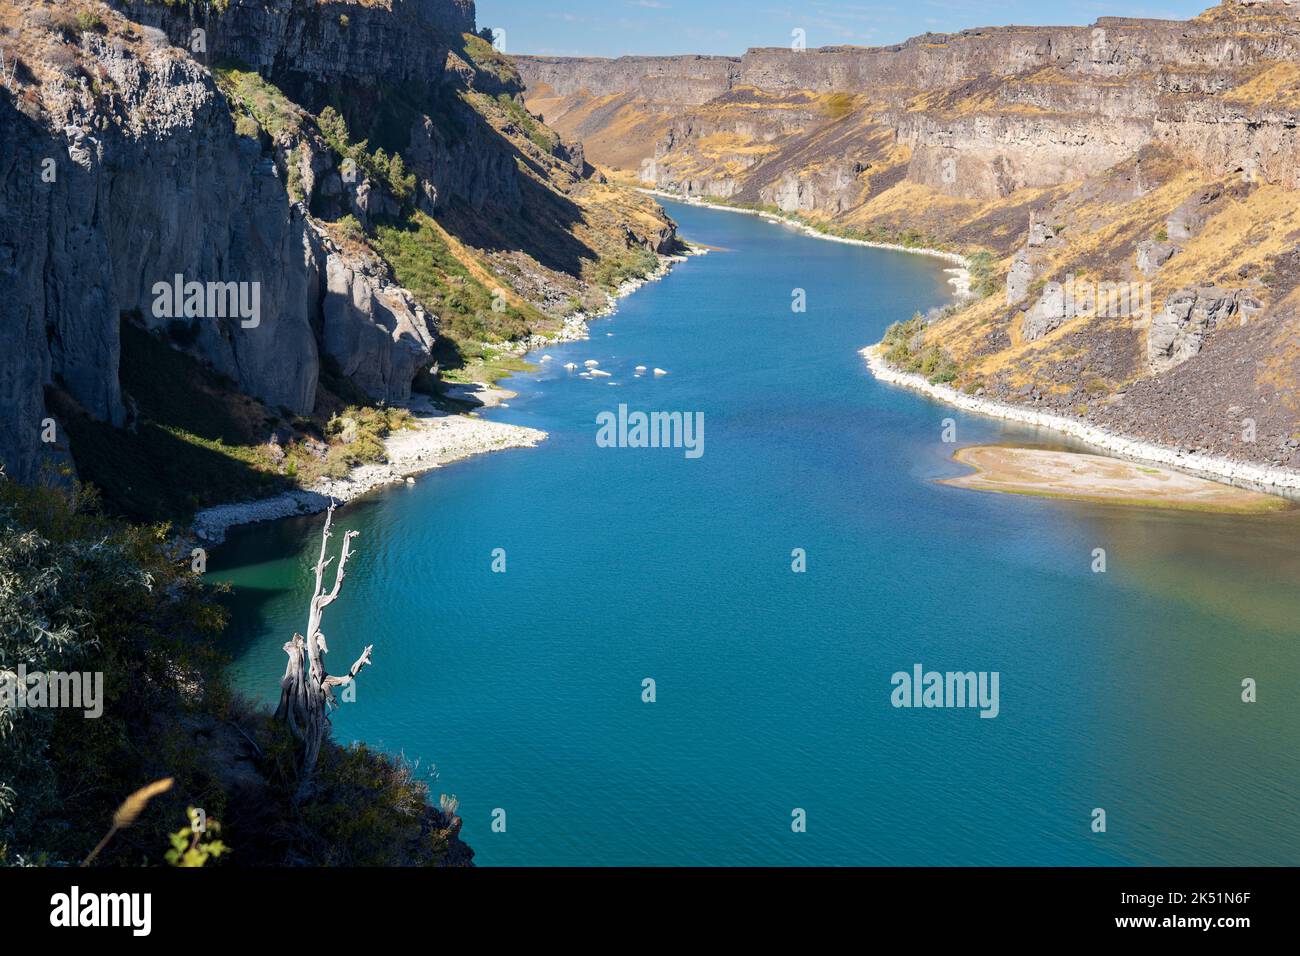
{"x":1275,"y":85}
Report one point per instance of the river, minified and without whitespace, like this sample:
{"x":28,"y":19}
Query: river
{"x":523,"y":691}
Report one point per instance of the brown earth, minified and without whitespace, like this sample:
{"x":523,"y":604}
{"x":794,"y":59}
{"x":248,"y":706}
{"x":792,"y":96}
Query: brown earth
{"x":1061,"y":474}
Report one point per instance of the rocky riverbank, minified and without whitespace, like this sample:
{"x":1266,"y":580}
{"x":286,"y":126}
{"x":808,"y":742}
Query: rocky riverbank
{"x":959,"y":277}
{"x":437,"y":438}
{"x":1278,"y":480}
{"x":1126,"y":190}
{"x":576,"y":327}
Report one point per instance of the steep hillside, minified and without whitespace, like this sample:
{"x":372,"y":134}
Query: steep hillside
{"x":1129,"y":188}
{"x":316,"y":203}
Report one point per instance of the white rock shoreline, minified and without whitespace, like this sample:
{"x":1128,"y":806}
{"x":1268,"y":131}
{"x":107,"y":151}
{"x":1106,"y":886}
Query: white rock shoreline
{"x":437,"y":439}
{"x":1241,"y":474}
{"x":576,"y":326}
{"x":959,"y":276}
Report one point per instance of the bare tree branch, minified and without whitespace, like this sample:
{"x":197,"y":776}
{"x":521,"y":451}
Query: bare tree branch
{"x":306,"y":690}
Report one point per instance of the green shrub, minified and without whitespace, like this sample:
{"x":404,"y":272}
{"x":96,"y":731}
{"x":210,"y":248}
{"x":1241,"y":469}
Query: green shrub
{"x":424,"y":263}
{"x":984,"y":278}
{"x":906,"y":349}
{"x":612,"y":271}
{"x":351,"y":228}
{"x":485,"y":58}
{"x":389,"y":172}
{"x":80,"y":591}
{"x":541,"y":137}
{"x":259,"y":98}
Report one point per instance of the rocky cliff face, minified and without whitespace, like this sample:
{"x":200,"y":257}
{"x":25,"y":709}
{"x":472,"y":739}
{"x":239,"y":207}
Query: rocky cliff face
{"x":206,"y":171}
{"x":677,"y":82}
{"x":123,"y":198}
{"x":1133,"y":160}
{"x":322,"y":42}
{"x":1013,"y":106}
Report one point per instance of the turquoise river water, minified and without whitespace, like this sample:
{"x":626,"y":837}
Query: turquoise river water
{"x":1119,"y":690}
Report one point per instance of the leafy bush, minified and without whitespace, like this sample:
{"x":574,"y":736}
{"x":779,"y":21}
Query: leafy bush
{"x":359,"y":435}
{"x":351,"y":229}
{"x":905,"y":348}
{"x":389,"y":171}
{"x":79,"y":591}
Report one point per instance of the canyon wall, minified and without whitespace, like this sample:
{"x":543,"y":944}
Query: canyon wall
{"x":146,"y":141}
{"x":391,"y":41}
{"x":678,"y":80}
{"x":1027,"y":106}
{"x":1156,"y":152}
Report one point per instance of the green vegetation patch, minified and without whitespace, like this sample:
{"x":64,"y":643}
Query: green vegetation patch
{"x":984,"y":279}
{"x":79,"y":592}
{"x":390,"y":170}
{"x":541,"y":136}
{"x":905,"y":348}
{"x":485,"y":58}
{"x":468,"y":311}
{"x":259,"y":99}
{"x":611,"y":271}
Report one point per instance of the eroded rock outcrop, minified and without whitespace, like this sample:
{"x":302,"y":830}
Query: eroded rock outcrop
{"x":178,"y":162}
{"x":129,"y":194}
{"x":1052,"y":310}
{"x":1178,"y":332}
{"x":1152,"y":254}
{"x":392,"y":41}
{"x":377,"y":333}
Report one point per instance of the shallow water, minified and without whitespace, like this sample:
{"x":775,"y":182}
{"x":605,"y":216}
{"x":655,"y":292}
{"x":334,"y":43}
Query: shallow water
{"x":1118,"y":690}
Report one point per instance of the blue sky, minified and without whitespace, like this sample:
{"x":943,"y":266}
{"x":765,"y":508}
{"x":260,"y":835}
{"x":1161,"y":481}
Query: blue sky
{"x":618,"y":27}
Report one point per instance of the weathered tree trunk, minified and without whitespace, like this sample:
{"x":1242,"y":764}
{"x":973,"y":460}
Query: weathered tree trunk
{"x":307,"y":691}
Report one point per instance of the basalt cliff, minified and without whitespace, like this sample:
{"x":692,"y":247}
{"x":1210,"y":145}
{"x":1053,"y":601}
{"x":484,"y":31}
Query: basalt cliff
{"x":349,"y":198}
{"x":1128,"y":193}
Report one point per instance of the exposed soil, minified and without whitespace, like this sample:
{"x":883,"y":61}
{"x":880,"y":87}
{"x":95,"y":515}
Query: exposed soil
{"x":1060,"y":474}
